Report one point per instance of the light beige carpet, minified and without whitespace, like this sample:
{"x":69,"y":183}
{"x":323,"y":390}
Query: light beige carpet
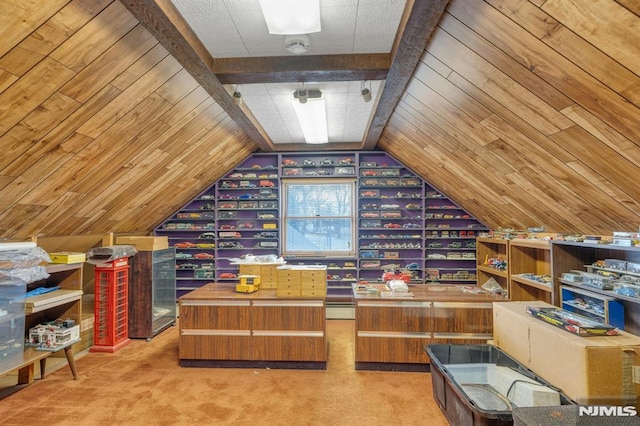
{"x":142,"y":384}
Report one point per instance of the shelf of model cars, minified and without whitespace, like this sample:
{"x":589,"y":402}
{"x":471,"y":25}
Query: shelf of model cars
{"x":541,"y":282}
{"x":607,"y":309}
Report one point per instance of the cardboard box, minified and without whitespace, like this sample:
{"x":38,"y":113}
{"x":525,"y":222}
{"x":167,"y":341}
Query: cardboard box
{"x":144,"y":243}
{"x":595,"y":370}
{"x":68,"y":257}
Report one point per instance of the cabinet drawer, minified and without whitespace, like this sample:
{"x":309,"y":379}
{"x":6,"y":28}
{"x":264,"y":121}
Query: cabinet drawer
{"x":313,"y":285}
{"x":318,"y":292}
{"x":285,"y":292}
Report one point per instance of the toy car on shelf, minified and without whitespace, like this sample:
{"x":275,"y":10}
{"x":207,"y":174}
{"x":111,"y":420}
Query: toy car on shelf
{"x":326,"y":162}
{"x":207,"y":236}
{"x":392,"y":225}
{"x":184,"y":244}
{"x":308,"y":163}
{"x":203,"y":256}
{"x":289,"y":162}
{"x":205,"y":245}
{"x":187,"y":266}
{"x":266,"y":184}
{"x":227,"y":275}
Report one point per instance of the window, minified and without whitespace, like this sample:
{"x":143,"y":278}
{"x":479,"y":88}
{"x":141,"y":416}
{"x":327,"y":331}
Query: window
{"x":319,"y":217}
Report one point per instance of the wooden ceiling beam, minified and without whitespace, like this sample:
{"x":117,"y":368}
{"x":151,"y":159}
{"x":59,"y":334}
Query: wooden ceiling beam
{"x":282,"y":69}
{"x":418,"y":23}
{"x":162,"y":19}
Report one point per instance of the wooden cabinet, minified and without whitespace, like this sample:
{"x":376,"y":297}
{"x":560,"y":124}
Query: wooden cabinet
{"x":492,"y":261}
{"x":219,"y":327}
{"x":152,"y":292}
{"x":571,"y":256}
{"x":530,"y":270}
{"x":391,"y":333}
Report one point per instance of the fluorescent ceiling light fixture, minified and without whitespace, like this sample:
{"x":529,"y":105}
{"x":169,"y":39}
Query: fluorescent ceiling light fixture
{"x":291,"y":16}
{"x":312,"y":117}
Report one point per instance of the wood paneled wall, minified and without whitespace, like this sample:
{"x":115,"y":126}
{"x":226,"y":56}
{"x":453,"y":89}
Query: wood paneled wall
{"x":526,"y":113}
{"x":100,"y":128}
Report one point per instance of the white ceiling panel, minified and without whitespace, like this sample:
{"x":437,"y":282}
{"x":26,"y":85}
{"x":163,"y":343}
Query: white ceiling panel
{"x":236,"y":28}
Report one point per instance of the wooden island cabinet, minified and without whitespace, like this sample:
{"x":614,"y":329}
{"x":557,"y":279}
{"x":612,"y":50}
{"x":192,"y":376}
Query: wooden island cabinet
{"x":391,"y":332}
{"x":222,"y":328}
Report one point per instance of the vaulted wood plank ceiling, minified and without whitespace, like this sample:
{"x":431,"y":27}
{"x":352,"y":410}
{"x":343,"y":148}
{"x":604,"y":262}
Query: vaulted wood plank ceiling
{"x":524,"y":112}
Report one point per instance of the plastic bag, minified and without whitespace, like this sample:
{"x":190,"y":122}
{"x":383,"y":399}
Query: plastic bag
{"x":27,"y":257}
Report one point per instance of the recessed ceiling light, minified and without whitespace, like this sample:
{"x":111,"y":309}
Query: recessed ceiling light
{"x":288,"y":17}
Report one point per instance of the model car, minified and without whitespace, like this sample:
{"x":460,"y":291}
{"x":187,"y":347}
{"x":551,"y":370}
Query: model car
{"x":266,"y":216}
{"x":229,"y":205}
{"x":392,"y":225}
{"x":228,"y":275}
{"x":413,"y":265}
{"x":346,"y":161}
{"x":235,"y":175}
{"x":369,"y":215}
{"x":246,"y":225}
{"x":289,"y":162}
{"x":184,"y":244}
{"x":369,"y":173}
{"x":368,"y":194}
{"x":203,"y":256}
{"x":291,"y":172}
{"x":208,"y":197}
{"x":229,"y":244}
{"x":186,"y":266}
{"x":181,"y":255}
{"x":326,"y":162}
{"x":206,"y":245}
{"x":227,"y":226}
{"x":266,"y":184}
{"x":249,"y":176}
{"x":324,"y":172}
{"x":389,"y":206}
{"x":410,"y":225}
{"x":246,"y":196}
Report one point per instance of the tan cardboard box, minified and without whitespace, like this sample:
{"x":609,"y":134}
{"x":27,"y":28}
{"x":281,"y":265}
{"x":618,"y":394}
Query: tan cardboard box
{"x":590,"y":370}
{"x":144,"y":243}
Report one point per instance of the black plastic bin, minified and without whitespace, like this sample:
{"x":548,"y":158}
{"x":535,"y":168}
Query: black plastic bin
{"x":458,"y":408}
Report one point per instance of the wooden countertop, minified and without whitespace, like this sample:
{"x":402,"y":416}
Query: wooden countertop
{"x":439,"y":293}
{"x":228,"y":291}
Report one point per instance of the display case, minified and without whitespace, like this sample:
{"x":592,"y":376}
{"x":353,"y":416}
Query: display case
{"x":599,"y":307}
{"x":152,"y":292}
{"x":530,"y":270}
{"x":12,"y":319}
{"x":390,"y":218}
{"x":401,"y":222}
{"x":573,"y":257}
{"x":492,"y":261}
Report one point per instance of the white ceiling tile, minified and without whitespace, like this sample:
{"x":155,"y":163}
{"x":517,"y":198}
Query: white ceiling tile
{"x":236,"y":28}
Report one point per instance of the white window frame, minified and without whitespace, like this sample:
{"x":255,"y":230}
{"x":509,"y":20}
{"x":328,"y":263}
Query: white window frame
{"x":286,"y":183}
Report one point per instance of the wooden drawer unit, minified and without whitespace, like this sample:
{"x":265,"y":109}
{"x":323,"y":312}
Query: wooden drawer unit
{"x":218,"y":324}
{"x":392,"y":331}
{"x":462,"y":322}
{"x":288,"y":330}
{"x":267,"y":272}
{"x":214,"y":329}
